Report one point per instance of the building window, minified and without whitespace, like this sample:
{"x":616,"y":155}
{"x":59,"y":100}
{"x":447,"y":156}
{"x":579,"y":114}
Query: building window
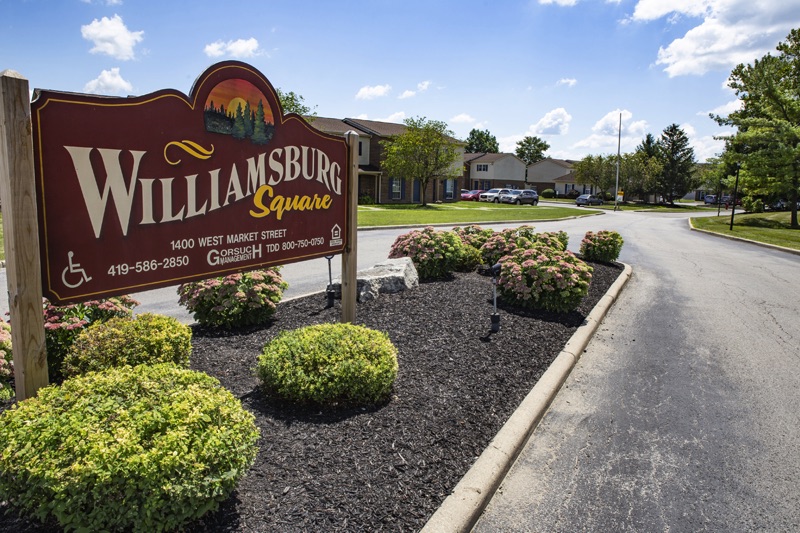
{"x":359,"y":148}
{"x":396,"y":187}
{"x":483,"y":167}
{"x":449,"y":188}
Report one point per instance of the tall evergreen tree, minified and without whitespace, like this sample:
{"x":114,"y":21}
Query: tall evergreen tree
{"x":239,"y":130}
{"x":677,"y":157}
{"x":248,"y":120}
{"x":259,"y":126}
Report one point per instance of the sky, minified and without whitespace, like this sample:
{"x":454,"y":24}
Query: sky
{"x":562,"y":70}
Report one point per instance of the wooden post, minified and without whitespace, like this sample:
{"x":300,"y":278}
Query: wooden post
{"x":350,"y":255}
{"x":23,"y":267}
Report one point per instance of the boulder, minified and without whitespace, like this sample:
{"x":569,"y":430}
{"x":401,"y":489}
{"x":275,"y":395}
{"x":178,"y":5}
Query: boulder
{"x":392,"y":275}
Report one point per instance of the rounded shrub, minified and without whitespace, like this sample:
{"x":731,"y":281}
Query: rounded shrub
{"x":63,"y":324}
{"x":602,"y":247}
{"x":504,"y":242}
{"x":558,"y":240}
{"x":148,"y":448}
{"x":145,"y":339}
{"x":435,"y":254}
{"x":544,"y":278}
{"x":236,"y":300}
{"x":473,"y":235}
{"x":6,"y":361}
{"x":548,"y":193}
{"x":329,"y":365}
{"x":753,"y":205}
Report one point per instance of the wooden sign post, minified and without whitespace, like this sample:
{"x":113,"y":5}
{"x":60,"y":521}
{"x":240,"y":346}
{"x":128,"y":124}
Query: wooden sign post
{"x":23,"y":267}
{"x":350,"y":254}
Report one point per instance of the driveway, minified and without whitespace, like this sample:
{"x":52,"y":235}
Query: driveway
{"x":683,"y":413}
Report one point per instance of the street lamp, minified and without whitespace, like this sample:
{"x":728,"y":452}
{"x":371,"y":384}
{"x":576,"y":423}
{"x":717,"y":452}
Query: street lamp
{"x":735,"y":188}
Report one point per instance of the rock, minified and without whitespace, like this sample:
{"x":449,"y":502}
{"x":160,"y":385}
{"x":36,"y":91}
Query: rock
{"x":392,"y":275}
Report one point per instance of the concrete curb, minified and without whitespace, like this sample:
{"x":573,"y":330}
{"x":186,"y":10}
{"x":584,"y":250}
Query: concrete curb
{"x":742,"y":239}
{"x":462,"y":509}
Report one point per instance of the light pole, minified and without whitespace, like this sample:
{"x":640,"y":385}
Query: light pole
{"x":735,"y":189}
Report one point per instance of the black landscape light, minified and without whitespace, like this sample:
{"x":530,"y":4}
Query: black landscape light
{"x":735,"y":191}
{"x":495,"y":316}
{"x":329,"y":292}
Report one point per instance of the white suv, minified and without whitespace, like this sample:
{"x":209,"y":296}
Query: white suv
{"x":493,"y":195}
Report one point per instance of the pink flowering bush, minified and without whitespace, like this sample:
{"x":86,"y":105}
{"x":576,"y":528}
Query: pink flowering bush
{"x":473,"y":235}
{"x":236,"y":300}
{"x":505,"y":242}
{"x":63,"y":324}
{"x":544,"y":278}
{"x":558,"y":240}
{"x":603,"y":246}
{"x":6,"y":362}
{"x":436,"y":254}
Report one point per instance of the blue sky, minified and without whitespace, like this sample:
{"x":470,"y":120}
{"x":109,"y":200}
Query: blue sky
{"x":562,"y":70}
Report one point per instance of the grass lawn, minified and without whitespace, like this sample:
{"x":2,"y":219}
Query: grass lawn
{"x":770,"y":228}
{"x":459,"y":213}
{"x":679,"y":207}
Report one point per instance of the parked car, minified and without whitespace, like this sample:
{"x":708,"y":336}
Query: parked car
{"x":520,"y":196}
{"x":710,"y":199}
{"x":727,"y":200}
{"x":492,"y":195}
{"x":588,"y":199}
{"x":472,"y":196}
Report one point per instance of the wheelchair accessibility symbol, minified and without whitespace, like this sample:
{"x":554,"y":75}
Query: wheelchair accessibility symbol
{"x":75,"y":273}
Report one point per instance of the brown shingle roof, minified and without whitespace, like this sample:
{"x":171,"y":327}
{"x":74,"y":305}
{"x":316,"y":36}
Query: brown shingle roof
{"x":485,"y":157}
{"x":382,"y":129}
{"x":334,"y":126}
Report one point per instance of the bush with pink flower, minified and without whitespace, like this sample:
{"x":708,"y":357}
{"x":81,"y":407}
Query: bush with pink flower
{"x":542,"y":277}
{"x":63,"y":324}
{"x":435,"y":254}
{"x":236,"y":300}
{"x":602,"y":247}
{"x":473,"y":235}
{"x":6,"y":361}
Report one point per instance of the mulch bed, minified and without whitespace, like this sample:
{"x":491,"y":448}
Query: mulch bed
{"x":386,"y":468}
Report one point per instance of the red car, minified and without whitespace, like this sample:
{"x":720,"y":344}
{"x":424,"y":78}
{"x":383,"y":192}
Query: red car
{"x":472,"y":196}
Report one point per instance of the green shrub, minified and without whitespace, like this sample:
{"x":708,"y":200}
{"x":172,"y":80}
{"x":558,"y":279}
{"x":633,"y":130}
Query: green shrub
{"x":6,"y":361}
{"x":548,"y":193}
{"x":544,"y":278}
{"x":145,"y":339}
{"x":366,"y":199}
{"x":603,"y":246}
{"x":436,"y":254}
{"x":235,"y":300}
{"x":329,"y":365}
{"x":148,"y":448}
{"x":63,"y":324}
{"x":753,"y":205}
{"x":558,"y":240}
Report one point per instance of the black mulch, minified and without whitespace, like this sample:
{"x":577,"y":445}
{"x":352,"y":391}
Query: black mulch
{"x":390,"y":467}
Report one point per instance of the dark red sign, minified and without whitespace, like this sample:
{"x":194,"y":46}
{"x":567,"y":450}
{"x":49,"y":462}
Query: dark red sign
{"x":144,"y":192}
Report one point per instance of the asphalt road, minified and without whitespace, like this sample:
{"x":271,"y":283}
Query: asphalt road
{"x":684,"y":412}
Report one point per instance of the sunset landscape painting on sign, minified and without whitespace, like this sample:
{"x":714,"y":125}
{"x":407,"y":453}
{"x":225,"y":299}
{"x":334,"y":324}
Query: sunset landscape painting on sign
{"x":237,"y":107}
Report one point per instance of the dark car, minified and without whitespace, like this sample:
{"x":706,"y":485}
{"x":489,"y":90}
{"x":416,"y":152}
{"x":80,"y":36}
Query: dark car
{"x":472,"y":196}
{"x":520,"y":196}
{"x":588,"y":199}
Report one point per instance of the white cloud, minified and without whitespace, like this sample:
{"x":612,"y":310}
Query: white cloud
{"x":110,"y":36}
{"x":554,"y":122}
{"x":369,"y":92}
{"x":109,"y":82}
{"x":421,"y":87}
{"x":569,"y":82}
{"x":238,"y":48}
{"x":705,"y":146}
{"x":724,"y":110}
{"x":462,"y":118}
{"x":729,"y":32}
{"x":565,"y":3}
{"x":606,"y":134}
{"x":399,"y":116}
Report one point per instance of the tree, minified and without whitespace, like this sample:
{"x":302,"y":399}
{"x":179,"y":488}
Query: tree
{"x":239,"y":128}
{"x":295,"y":103}
{"x":677,"y":157}
{"x":531,"y":149}
{"x":426,"y":152}
{"x":481,"y":142}
{"x":767,"y":142}
{"x":260,"y":135}
{"x":597,"y":170}
{"x":638,"y":172}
